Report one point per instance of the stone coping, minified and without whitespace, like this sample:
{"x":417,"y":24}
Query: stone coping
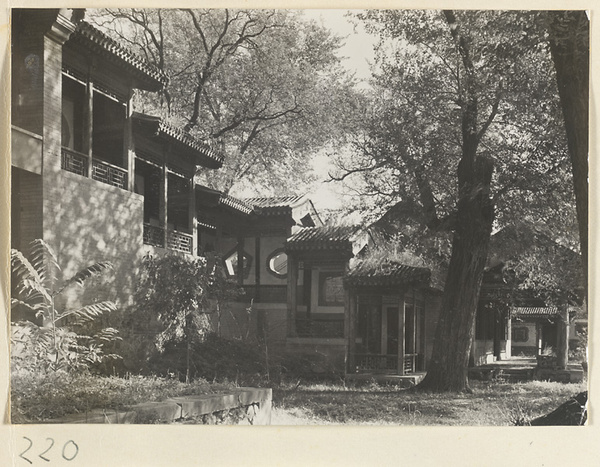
{"x":181,"y":407}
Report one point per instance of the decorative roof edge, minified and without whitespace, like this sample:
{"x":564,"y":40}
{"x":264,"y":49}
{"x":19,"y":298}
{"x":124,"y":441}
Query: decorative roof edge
{"x":235,"y":203}
{"x":100,"y":39}
{"x":181,"y":137}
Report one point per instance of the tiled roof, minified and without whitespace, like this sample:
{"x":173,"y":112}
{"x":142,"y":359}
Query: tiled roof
{"x":218,"y":197}
{"x":235,"y":203}
{"x":534,"y":311}
{"x":205,"y":155}
{"x":152,"y":77}
{"x":322,"y":238}
{"x":389,"y":273}
{"x":275,"y":201}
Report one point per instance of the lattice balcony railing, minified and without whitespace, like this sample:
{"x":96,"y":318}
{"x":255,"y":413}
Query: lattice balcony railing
{"x":109,"y":174}
{"x":75,"y":162}
{"x":180,"y":241}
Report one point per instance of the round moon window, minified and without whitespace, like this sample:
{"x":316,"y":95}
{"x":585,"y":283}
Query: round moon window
{"x":277,"y":263}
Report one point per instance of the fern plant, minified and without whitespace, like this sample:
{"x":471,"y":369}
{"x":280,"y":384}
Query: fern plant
{"x":55,"y":344}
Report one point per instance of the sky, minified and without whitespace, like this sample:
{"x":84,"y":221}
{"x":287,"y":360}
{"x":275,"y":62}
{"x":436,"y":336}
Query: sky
{"x":358,"y":47}
{"x":358,"y":54}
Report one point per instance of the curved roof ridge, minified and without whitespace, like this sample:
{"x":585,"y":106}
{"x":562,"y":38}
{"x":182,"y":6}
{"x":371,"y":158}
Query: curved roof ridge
{"x":108,"y":44}
{"x":275,"y":201}
{"x":177,"y":134}
{"x":235,"y":203}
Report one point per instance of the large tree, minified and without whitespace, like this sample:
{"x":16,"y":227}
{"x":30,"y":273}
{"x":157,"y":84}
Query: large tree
{"x":264,"y":86}
{"x":570,"y":45}
{"x":464,"y":138}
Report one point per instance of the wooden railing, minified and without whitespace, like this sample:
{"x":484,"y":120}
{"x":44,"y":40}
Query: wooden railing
{"x":322,"y":327}
{"x":410,"y":363}
{"x":369,"y":362}
{"x":73,"y":161}
{"x":180,"y":241}
{"x":379,"y":362}
{"x":109,"y":174}
{"x":77,"y":163}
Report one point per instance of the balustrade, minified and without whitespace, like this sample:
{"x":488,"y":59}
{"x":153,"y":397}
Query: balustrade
{"x":180,"y":241}
{"x":109,"y":174}
{"x":77,"y":163}
{"x":367,"y":362}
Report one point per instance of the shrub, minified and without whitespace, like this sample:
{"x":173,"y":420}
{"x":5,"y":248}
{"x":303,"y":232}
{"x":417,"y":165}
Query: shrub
{"x":214,"y":359}
{"x":59,"y":344}
{"x":174,"y":293}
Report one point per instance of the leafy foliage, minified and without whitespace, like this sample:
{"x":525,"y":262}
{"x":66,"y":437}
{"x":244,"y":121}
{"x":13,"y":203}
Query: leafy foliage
{"x":50,"y":347}
{"x":264,"y":86}
{"x":464,"y":136}
{"x":177,"y":294}
{"x":38,"y":397}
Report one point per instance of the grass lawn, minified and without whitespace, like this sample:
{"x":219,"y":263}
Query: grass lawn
{"x":492,"y":403}
{"x":42,"y":397}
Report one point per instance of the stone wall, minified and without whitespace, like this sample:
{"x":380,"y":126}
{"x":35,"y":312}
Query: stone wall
{"x":242,"y":406}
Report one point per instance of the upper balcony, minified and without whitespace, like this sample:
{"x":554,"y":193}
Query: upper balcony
{"x":101,"y":171}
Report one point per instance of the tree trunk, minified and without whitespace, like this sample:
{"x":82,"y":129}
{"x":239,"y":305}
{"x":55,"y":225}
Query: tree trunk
{"x":569,"y":45}
{"x":447,"y":370}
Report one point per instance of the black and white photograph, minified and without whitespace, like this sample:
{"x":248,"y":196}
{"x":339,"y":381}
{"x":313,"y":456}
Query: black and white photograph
{"x":293,"y":217}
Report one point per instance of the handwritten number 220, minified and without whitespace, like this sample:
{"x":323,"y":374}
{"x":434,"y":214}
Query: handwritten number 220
{"x":69,"y":451}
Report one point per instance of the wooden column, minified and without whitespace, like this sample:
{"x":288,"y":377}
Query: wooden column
{"x":401,"y":336}
{"x":162,"y":208}
{"x":562,"y":338}
{"x":292,"y":290}
{"x":307,"y":281}
{"x":508,"y":336}
{"x":349,"y":331}
{"x":193,"y":222}
{"x":128,"y":149}
{"x":384,"y":329}
{"x":257,"y":263}
{"x":88,"y":121}
{"x":538,"y":339}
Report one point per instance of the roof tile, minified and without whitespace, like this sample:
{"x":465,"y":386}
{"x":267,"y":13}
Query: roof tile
{"x":534,"y":311}
{"x":85,"y":32}
{"x":389,"y":273}
{"x":323,"y":238}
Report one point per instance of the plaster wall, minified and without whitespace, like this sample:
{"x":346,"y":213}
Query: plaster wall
{"x":86,"y":221}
